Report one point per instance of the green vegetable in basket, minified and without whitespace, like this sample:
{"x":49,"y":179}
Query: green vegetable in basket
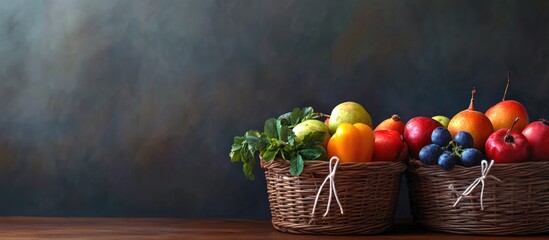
{"x":279,"y":141}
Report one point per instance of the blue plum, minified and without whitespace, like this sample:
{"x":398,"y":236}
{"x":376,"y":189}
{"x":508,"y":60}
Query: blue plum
{"x":441,"y":136}
{"x":471,"y":157}
{"x":429,"y":154}
{"x":464,"y":139}
{"x":447,"y":161}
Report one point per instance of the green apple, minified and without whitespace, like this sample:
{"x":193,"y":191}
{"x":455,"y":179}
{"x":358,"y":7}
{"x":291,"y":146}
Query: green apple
{"x":442,"y":120}
{"x":349,"y":112}
{"x":302,"y":129}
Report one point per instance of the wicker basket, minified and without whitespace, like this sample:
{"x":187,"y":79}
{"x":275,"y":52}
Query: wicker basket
{"x":519,"y":204}
{"x":368,"y":193}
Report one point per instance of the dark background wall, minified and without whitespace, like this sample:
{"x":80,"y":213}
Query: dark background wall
{"x":128,"y":108}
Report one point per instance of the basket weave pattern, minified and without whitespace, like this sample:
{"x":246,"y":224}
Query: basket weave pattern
{"x":517,"y":205}
{"x":368,"y":193}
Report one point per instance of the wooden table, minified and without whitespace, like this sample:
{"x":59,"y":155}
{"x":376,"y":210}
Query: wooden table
{"x":184,"y":228}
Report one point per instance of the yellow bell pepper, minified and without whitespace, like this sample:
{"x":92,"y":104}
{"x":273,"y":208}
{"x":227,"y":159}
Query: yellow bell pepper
{"x":352,"y":143}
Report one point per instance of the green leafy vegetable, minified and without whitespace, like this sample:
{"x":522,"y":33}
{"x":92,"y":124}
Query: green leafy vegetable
{"x":278,"y":141}
{"x":296,"y":165}
{"x":310,"y":153}
{"x":314,"y":138}
{"x":297,"y":116}
{"x":270,"y":128}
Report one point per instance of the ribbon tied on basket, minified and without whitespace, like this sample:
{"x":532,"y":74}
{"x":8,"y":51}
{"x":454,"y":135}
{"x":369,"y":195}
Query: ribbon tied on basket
{"x":484,"y":170}
{"x":332,"y":166}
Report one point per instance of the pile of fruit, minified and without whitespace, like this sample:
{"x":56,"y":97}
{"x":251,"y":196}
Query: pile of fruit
{"x":447,"y":152}
{"x":503,"y":134}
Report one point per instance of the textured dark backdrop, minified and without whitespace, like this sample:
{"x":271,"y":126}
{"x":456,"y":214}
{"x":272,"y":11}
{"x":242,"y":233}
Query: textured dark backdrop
{"x":128,"y":108}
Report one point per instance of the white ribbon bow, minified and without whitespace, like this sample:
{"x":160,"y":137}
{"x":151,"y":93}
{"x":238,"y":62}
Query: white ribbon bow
{"x":333,"y":161}
{"x":484,"y":170}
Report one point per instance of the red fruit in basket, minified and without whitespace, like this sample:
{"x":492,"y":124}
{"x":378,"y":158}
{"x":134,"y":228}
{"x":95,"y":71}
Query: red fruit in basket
{"x":327,"y":122}
{"x":417,"y":133}
{"x":537,"y":134}
{"x":504,"y":113}
{"x":473,"y":122}
{"x":404,"y":152}
{"x":507,"y":146}
{"x":393,"y":123}
{"x":388,"y":145}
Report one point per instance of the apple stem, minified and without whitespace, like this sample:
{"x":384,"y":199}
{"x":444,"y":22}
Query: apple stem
{"x":396,"y":117}
{"x":544,"y":121}
{"x":508,"y":137}
{"x":507,"y":86}
{"x":472,"y":104}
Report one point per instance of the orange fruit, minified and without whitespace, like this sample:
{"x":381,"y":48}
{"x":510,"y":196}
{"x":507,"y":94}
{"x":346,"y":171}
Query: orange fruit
{"x":393,"y":123}
{"x":473,"y":122}
{"x":503,"y":114}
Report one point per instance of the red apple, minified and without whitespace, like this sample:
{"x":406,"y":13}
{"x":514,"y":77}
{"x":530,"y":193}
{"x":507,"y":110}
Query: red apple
{"x":404,"y":152}
{"x":388,"y":145}
{"x":507,"y":146}
{"x":537,"y":134}
{"x":417,"y":133}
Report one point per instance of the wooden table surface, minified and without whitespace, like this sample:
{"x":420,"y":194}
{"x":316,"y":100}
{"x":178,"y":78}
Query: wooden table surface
{"x":185,"y":228}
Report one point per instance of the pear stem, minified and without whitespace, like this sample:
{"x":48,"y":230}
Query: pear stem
{"x":396,"y":117}
{"x":507,"y":86}
{"x":472,"y":104}
{"x":323,"y":115}
{"x":508,"y":137}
